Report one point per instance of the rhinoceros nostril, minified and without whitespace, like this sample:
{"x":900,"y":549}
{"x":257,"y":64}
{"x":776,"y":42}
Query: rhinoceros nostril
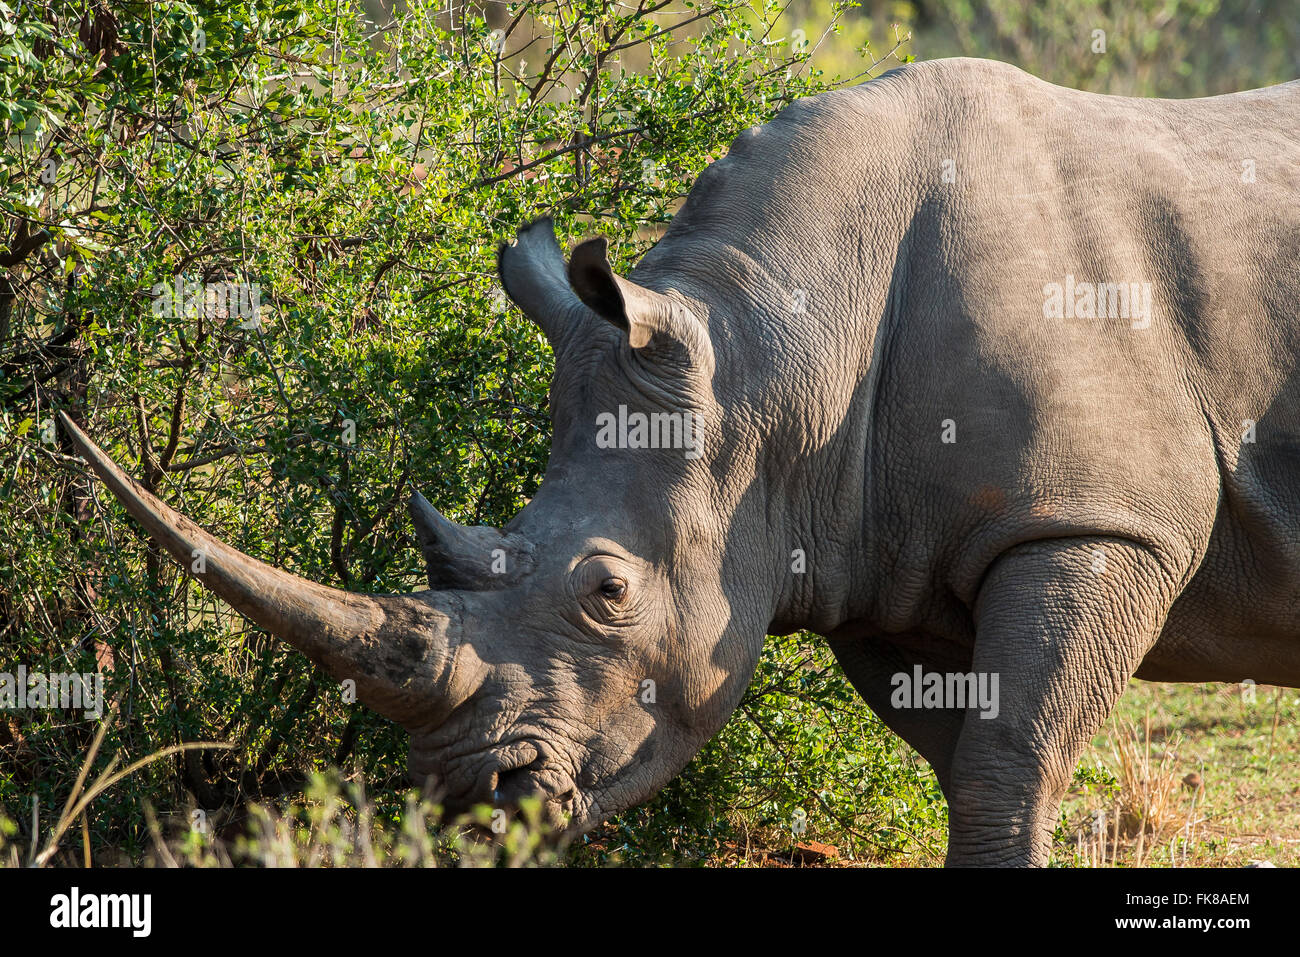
{"x":517,"y":782}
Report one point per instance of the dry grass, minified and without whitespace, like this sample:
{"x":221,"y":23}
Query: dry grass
{"x":335,"y":825}
{"x":1147,"y":802}
{"x":1189,"y":776}
{"x":1143,"y":804}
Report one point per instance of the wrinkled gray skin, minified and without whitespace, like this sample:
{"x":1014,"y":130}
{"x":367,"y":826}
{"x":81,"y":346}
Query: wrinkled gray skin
{"x":923,"y":301}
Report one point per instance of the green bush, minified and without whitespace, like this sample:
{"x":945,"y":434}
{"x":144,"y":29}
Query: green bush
{"x":361,"y":175}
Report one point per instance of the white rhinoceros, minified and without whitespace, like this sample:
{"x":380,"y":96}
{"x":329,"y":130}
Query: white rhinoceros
{"x":992,"y":383}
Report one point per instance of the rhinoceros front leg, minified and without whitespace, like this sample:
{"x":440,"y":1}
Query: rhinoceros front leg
{"x":1063,"y":624}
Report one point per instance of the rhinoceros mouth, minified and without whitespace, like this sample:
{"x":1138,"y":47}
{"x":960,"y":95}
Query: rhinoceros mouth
{"x":502,"y":774}
{"x":527,"y":771}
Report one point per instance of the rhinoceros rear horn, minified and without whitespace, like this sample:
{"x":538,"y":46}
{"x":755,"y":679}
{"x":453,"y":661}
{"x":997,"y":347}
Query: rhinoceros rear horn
{"x":397,"y":648}
{"x":477,"y":559}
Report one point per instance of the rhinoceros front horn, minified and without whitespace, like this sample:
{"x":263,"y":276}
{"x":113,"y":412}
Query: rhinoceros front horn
{"x":397,"y":648}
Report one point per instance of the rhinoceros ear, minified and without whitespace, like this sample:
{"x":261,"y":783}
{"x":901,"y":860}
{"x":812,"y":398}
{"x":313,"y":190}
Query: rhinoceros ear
{"x":640,"y":312}
{"x":532,"y":274}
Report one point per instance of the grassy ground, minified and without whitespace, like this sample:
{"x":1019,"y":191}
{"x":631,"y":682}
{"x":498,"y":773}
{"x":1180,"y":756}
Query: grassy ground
{"x":1182,"y":775}
{"x":1218,"y":785}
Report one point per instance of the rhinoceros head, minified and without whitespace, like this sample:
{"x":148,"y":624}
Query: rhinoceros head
{"x":587,"y":650}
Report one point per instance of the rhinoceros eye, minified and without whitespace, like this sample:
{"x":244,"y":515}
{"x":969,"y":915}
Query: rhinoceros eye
{"x":605,"y":587}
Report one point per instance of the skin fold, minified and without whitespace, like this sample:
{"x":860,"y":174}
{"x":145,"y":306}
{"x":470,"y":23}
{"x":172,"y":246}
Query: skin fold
{"x":912,"y":435}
